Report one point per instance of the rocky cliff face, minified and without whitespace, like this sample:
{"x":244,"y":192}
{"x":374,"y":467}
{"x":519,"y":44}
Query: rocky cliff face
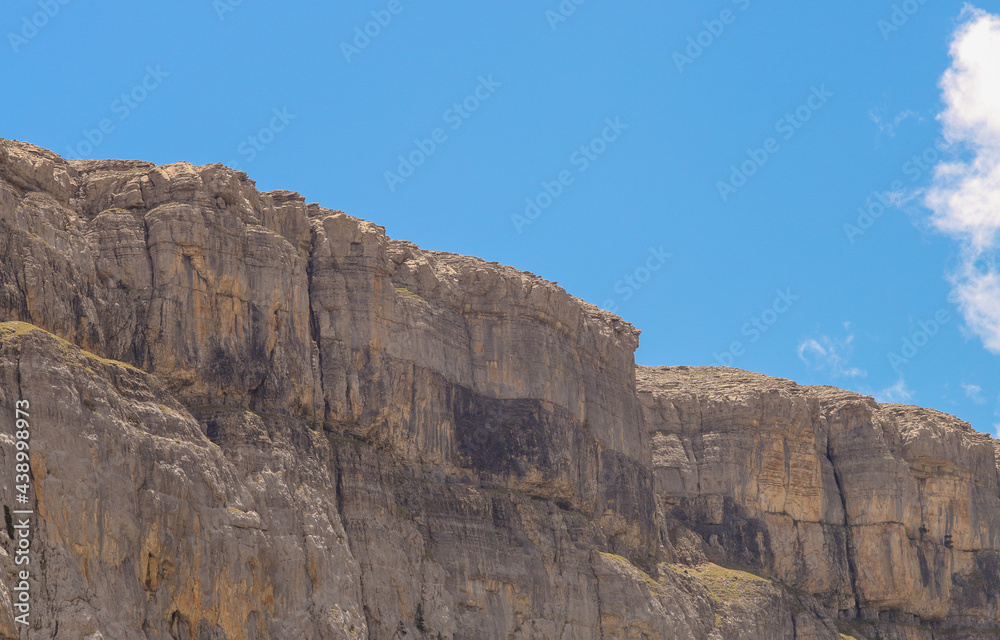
{"x":256,"y":418}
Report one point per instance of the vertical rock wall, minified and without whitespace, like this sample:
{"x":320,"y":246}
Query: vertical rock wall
{"x":257,"y":418}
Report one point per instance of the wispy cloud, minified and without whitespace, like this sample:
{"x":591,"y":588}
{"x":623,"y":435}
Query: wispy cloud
{"x":897,"y":392}
{"x":888,"y":125}
{"x":974,"y":392}
{"x":965,"y":193}
{"x":830,"y":355}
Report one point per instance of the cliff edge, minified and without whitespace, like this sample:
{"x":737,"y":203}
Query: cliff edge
{"x":253,"y":418}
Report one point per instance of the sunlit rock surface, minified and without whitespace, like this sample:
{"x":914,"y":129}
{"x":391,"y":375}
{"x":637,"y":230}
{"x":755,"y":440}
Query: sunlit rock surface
{"x":257,"y":418}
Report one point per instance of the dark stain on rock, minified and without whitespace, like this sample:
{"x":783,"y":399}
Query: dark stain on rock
{"x":497,"y":435}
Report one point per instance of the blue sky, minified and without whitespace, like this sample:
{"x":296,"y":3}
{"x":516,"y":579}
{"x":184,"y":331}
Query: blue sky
{"x":690,"y":167}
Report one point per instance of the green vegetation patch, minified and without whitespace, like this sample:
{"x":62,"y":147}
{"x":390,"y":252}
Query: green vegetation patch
{"x":406,"y":291}
{"x":630,"y":565}
{"x":17,"y":328}
{"x":725,"y":585}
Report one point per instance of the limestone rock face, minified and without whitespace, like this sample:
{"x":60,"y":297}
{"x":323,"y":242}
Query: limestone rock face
{"x":885,"y":512}
{"x":139,"y":511}
{"x":257,"y":418}
{"x":186,"y":272}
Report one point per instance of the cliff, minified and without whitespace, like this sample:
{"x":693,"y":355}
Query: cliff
{"x":255,"y":418}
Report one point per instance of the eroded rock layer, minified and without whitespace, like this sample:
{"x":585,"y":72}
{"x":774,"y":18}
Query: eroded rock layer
{"x":257,"y":418}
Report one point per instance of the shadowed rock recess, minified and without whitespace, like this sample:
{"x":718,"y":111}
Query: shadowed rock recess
{"x":256,"y":418}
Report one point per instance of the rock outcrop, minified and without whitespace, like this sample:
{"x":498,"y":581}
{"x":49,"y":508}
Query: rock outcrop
{"x":253,"y":418}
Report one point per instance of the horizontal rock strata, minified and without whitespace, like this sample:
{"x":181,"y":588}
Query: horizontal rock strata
{"x":254,"y":418}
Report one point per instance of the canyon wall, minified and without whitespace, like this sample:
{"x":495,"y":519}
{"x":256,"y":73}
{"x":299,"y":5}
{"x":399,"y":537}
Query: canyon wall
{"x":253,"y":417}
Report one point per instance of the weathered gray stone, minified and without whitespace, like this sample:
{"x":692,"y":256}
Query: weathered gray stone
{"x":255,"y":418}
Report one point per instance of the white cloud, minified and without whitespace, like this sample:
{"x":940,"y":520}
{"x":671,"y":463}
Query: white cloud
{"x":897,"y":392}
{"x":965,"y":194}
{"x":901,"y":198}
{"x":888,"y":126}
{"x":830,"y":355}
{"x":974,"y":392}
